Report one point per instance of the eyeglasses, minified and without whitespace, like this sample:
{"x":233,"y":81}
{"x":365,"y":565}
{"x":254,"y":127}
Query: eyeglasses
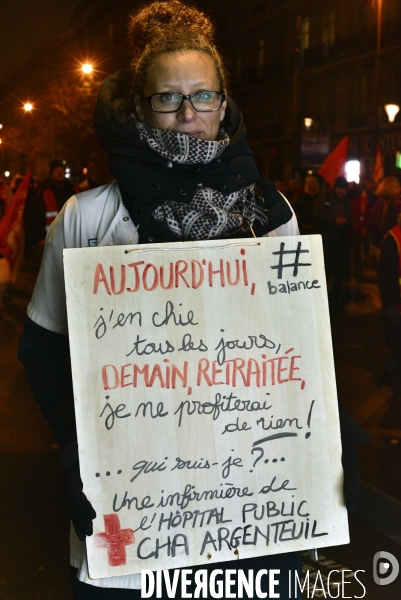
{"x":201,"y":101}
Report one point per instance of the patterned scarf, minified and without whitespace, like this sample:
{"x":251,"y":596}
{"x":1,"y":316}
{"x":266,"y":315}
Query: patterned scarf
{"x":210,"y":214}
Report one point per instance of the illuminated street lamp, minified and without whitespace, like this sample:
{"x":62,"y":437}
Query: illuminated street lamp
{"x":308,"y":122}
{"x":87,"y":68}
{"x":7,"y":173}
{"x":28,"y":107}
{"x":391,"y":110}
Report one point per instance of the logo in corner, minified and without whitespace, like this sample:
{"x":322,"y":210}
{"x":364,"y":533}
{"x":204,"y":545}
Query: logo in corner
{"x":385,"y":568}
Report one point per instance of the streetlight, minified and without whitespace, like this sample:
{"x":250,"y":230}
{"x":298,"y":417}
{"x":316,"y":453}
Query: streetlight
{"x":391,"y":110}
{"x":28,"y":107}
{"x":87,"y":68}
{"x":308,"y":122}
{"x":7,"y":173}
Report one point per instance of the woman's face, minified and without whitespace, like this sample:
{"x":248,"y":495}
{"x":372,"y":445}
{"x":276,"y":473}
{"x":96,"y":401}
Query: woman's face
{"x":183,"y":73}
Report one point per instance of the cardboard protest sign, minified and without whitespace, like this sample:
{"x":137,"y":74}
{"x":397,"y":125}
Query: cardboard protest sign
{"x":205,"y":401}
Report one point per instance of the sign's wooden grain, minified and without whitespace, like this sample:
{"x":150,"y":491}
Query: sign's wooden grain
{"x":205,"y":401}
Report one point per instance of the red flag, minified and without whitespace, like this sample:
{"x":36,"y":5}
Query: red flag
{"x":12,"y":227}
{"x":378,"y":168}
{"x":334,"y":164}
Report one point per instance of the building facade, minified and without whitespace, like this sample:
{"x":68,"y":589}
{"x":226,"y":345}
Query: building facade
{"x":289,"y":60}
{"x":336,"y":63}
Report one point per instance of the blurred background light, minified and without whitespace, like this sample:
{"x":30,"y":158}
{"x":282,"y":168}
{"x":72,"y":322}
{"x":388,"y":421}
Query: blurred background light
{"x":87,"y":68}
{"x":391,"y":110}
{"x":353,"y":170}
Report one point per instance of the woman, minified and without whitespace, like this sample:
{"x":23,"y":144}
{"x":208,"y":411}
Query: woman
{"x":178,"y":151}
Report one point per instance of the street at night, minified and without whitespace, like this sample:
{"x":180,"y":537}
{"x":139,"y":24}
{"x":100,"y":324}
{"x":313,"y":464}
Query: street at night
{"x":226,"y":175}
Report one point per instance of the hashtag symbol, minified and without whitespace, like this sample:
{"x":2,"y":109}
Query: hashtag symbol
{"x":280,"y":266}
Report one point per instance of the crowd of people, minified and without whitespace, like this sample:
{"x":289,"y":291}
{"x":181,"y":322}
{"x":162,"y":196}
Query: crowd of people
{"x":354,"y":221}
{"x":45,"y":198}
{"x":31,"y":205}
{"x":360,"y":225}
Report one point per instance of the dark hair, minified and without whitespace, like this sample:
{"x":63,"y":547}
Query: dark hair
{"x":170,"y":26}
{"x":54,"y":164}
{"x":341,"y":183}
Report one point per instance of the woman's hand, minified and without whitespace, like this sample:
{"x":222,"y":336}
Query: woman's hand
{"x":82,"y":512}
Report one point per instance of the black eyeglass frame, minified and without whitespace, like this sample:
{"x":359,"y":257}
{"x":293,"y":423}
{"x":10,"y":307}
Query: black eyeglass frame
{"x":223,"y":97}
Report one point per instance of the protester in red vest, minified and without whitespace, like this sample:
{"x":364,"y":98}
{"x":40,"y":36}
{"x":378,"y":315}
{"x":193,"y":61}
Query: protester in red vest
{"x":54,"y":193}
{"x":389,"y":279}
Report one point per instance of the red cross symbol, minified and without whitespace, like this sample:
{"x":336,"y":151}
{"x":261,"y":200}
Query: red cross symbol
{"x":115,"y":539}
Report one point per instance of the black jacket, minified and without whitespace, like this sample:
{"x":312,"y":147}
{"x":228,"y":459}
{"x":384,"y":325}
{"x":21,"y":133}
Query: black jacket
{"x":327,"y":209}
